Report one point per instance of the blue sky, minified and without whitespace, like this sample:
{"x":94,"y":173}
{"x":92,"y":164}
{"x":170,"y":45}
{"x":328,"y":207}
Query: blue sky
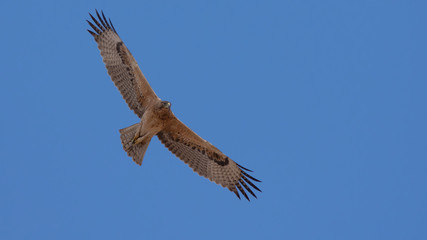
{"x":324,"y":100}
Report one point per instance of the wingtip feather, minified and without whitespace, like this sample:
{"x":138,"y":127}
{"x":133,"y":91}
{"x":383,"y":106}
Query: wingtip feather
{"x":105,"y":19}
{"x":242,"y":191}
{"x":97,"y":23}
{"x":240,"y":166}
{"x":237,"y":193}
{"x":101,"y":22}
{"x":92,"y":33}
{"x":247,"y":188}
{"x":112,"y":26}
{"x":100,"y":19}
{"x":249,"y":176}
{"x":250,"y":183}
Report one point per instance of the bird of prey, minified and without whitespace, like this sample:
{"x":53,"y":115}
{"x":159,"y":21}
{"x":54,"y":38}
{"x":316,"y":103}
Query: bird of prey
{"x":157,"y":118}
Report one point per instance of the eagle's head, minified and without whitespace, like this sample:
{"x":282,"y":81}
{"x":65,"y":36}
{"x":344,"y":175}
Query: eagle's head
{"x":164,"y":110}
{"x":165,"y":104}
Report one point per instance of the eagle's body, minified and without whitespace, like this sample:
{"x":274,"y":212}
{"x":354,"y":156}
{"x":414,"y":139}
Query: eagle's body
{"x":157,"y":118}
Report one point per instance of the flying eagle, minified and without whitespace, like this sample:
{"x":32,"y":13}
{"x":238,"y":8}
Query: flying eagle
{"x":157,"y":118}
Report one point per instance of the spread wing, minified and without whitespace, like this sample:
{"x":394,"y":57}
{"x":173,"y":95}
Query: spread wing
{"x":121,"y":66}
{"x":206,"y":159}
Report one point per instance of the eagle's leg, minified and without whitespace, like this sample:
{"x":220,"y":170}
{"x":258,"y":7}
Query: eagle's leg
{"x":140,"y":135}
{"x":138,"y":139}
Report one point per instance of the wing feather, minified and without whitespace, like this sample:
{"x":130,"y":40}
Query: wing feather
{"x":121,"y":65}
{"x":205,"y":159}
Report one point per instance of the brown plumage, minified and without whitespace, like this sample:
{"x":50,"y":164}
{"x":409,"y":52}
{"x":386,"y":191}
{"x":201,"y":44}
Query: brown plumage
{"x":158,"y":119}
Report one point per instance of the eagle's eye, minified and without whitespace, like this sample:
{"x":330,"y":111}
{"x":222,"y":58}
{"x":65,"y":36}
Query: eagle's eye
{"x":167,"y":104}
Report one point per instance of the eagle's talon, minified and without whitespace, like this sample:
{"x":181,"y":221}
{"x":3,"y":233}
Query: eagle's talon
{"x":134,"y":139}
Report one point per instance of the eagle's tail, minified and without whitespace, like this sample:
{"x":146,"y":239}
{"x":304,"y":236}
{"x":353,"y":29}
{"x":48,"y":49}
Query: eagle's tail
{"x":136,"y":151}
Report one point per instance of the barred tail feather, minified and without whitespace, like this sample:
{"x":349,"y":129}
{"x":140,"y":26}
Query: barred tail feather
{"x":136,"y":151}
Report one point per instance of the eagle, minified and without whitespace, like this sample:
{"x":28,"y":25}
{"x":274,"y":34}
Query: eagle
{"x":157,"y":119}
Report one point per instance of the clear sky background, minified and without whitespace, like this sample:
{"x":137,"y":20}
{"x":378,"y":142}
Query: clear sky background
{"x":324,"y":100}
